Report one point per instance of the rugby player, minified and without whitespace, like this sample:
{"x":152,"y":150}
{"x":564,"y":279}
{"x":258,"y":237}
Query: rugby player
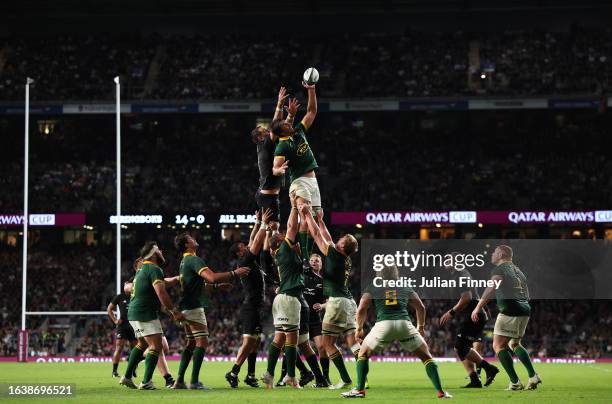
{"x":193,"y":273}
{"x":293,"y":153}
{"x":250,"y":310}
{"x":469,"y":332}
{"x":124,"y":332}
{"x":286,"y":305}
{"x":514,"y":310}
{"x":148,"y":291}
{"x":269,"y":184}
{"x":340,"y":309}
{"x":393,"y":323}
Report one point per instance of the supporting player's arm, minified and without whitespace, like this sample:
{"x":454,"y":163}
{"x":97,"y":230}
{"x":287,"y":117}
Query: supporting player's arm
{"x":292,"y":222}
{"x":486,"y":296}
{"x":464,"y":300}
{"x":362,"y":314}
{"x":282,"y":94}
{"x":256,"y":227}
{"x":417,"y":304}
{"x":164,"y":298}
{"x":260,"y":236}
{"x":280,"y":166}
{"x":315,"y":230}
{"x":323,"y":227}
{"x":311,"y":109}
{"x":111,"y":312}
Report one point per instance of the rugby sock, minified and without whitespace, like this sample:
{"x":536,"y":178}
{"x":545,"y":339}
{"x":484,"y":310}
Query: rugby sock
{"x":150,"y":364}
{"x":431,"y":367}
{"x":185,"y":358}
{"x":314,"y":367}
{"x":115,"y":366}
{"x":273,"y":353}
{"x":325,"y":367}
{"x":299,"y":364}
{"x":483,"y":365}
{"x":505,"y":358}
{"x":291,"y":355}
{"x":363,"y":367}
{"x":236,"y":369}
{"x":198,"y":357}
{"x":355,"y":350}
{"x":135,"y":357}
{"x":252,"y":361}
{"x":475,"y":378}
{"x":283,"y":369}
{"x":523,"y":356}
{"x":338,"y":360}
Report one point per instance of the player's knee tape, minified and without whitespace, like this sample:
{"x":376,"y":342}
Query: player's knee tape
{"x":303,"y":338}
{"x":462,"y":346}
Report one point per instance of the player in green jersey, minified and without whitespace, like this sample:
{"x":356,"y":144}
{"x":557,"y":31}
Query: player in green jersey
{"x":340,"y":308}
{"x":293,"y":153}
{"x":148,"y":291}
{"x":393,"y":323}
{"x":193,"y":273}
{"x":286,"y":305}
{"x":514,"y":310}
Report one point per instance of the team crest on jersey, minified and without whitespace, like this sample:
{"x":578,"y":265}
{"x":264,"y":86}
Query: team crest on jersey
{"x":302,"y":149}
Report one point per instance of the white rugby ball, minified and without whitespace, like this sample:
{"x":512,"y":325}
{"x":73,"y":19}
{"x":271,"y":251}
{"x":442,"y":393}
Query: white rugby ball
{"x":311,"y":76}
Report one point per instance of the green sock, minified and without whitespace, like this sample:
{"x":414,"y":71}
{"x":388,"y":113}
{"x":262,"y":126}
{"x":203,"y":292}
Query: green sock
{"x":291,"y":354}
{"x":198,"y":357}
{"x":185,"y":358}
{"x":150,"y":363}
{"x":523,"y":356}
{"x":431,"y":368}
{"x":134,"y":359}
{"x":339,"y":363}
{"x":363,"y":367}
{"x":273,"y":353}
{"x":505,"y":358}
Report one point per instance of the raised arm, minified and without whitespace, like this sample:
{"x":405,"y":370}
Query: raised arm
{"x":256,"y":227}
{"x":314,"y":229}
{"x":282,"y":94}
{"x":219,"y":277}
{"x":311,"y":109}
{"x":292,"y":222}
{"x":260,"y":236}
{"x":323,"y":227}
{"x":417,"y":304}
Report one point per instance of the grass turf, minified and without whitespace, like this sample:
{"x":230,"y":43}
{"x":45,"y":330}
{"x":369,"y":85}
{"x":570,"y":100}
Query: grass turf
{"x":391,"y":382}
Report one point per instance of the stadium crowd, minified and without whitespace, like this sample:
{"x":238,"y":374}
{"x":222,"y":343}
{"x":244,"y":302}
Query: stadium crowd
{"x":247,"y":66}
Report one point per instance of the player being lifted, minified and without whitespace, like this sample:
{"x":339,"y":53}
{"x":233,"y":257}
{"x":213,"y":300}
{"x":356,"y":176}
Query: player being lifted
{"x":148,"y":291}
{"x":514,"y":310}
{"x":124,"y":332}
{"x":269,"y":184}
{"x":193,"y":273}
{"x":294,"y":153}
{"x":469,"y":332}
{"x":254,"y":291}
{"x":393,"y":323}
{"x":340,"y":309}
{"x":286,"y":305}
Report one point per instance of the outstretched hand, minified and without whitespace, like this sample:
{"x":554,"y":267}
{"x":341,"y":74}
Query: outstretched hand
{"x":293,"y":106}
{"x":266,"y":216}
{"x":282,"y":94}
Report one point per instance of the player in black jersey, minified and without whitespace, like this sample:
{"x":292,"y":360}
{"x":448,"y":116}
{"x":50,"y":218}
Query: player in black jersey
{"x":250,"y":310}
{"x":313,"y":292}
{"x":269,"y":184}
{"x":469,"y":332}
{"x":124,"y":332}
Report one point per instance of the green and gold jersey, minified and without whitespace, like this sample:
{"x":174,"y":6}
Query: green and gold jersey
{"x":193,"y":295}
{"x":336,"y":274}
{"x":144,"y":303}
{"x":394,"y":306}
{"x":513,"y":294}
{"x":290,"y":270}
{"x":306,"y":244}
{"x":297,"y":151}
